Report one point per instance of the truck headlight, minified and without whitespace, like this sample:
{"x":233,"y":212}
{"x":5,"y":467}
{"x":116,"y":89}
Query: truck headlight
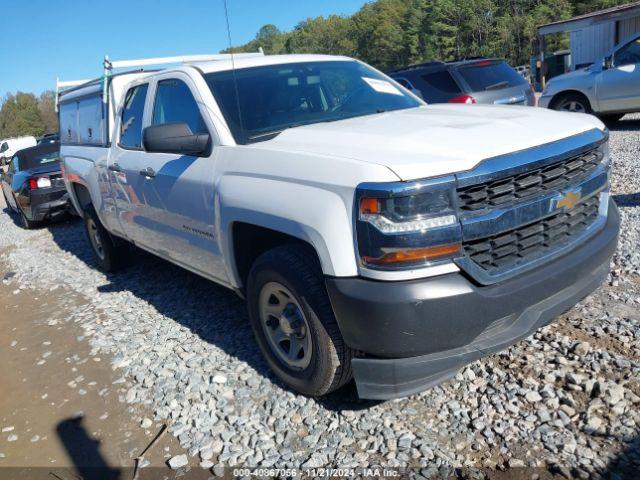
{"x":407,"y":225}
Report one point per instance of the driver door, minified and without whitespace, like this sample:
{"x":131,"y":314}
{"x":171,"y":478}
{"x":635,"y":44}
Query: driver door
{"x":175,"y":192}
{"x":618,"y":87}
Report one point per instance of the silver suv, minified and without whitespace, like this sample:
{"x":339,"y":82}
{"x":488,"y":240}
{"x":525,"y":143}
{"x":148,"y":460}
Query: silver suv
{"x":609,"y":88}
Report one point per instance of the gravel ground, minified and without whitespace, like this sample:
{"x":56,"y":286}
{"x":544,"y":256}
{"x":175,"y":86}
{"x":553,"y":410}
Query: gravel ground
{"x":564,"y":402}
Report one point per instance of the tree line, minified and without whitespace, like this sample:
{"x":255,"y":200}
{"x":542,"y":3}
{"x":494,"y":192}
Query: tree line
{"x":395,"y":33}
{"x":26,"y":114}
{"x":384,"y":33}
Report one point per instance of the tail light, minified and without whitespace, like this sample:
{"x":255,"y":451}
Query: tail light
{"x":39,"y":182}
{"x":468,"y":99}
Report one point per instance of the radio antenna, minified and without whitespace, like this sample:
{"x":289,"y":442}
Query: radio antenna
{"x":233,"y":68}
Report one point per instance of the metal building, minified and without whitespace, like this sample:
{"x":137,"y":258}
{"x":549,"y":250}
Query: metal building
{"x":592,"y":35}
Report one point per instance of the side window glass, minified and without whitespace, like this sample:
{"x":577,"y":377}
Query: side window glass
{"x":175,"y":103}
{"x":442,"y":81}
{"x":629,"y":54}
{"x":14,"y":164}
{"x":131,"y":121}
{"x":4,"y":147}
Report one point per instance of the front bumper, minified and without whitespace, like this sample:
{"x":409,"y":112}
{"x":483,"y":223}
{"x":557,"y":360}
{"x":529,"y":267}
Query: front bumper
{"x":544,"y":101}
{"x":416,"y":334}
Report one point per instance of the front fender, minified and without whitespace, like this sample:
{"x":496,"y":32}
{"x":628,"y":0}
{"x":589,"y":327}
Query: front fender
{"x":318,"y":216}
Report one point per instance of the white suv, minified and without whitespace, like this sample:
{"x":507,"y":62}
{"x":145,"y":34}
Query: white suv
{"x":373,"y":237}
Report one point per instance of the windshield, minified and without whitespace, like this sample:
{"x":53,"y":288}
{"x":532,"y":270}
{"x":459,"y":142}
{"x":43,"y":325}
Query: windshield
{"x":276,"y":97}
{"x":488,"y":75}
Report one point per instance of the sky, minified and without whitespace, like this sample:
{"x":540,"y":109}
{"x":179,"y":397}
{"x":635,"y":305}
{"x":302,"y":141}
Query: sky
{"x":41,"y":40}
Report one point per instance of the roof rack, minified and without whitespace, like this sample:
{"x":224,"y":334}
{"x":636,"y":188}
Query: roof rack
{"x":109,"y":65}
{"x":429,"y":63}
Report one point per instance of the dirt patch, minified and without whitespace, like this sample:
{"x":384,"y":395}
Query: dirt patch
{"x":60,"y":405}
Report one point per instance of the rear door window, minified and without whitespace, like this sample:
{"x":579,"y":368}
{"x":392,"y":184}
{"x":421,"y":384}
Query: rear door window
{"x":131,"y":119}
{"x":490,"y":75}
{"x":174,"y":102}
{"x":439,"y":86}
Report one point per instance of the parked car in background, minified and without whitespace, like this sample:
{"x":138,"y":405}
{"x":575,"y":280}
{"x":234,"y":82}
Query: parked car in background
{"x":609,"y":88}
{"x":49,"y":138}
{"x":9,"y":146}
{"x":371,"y":235}
{"x":33,"y":185}
{"x":468,"y":81}
{"x":524,"y":71}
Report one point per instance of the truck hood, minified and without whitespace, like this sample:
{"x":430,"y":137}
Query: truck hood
{"x":435,"y":139}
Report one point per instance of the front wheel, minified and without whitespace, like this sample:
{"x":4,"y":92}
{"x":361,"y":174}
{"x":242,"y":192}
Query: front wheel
{"x":572,"y":103}
{"x":112,"y":254}
{"x":293,"y":321}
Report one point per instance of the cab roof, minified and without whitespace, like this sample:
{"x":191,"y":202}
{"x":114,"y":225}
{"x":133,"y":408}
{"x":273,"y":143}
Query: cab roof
{"x":224,"y":65}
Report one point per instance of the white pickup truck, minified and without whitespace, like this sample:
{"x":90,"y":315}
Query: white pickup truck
{"x":373,"y":236}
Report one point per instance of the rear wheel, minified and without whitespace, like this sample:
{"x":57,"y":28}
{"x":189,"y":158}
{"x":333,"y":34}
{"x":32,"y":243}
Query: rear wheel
{"x":572,"y":102}
{"x":294,"y":323}
{"x":112,"y":254}
{"x":26,"y":223}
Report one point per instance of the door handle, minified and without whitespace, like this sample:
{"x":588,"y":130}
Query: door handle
{"x":115,"y":167}
{"x":148,"y":172}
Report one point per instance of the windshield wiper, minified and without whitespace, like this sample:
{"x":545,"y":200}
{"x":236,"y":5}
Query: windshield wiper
{"x":498,"y":85}
{"x":259,"y":137}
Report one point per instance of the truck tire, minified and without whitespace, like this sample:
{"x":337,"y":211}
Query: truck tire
{"x":572,"y":102}
{"x":293,"y":321}
{"x":112,"y":254}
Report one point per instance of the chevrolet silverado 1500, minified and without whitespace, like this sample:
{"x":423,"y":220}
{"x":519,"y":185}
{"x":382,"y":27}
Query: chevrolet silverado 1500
{"x":373,"y":236}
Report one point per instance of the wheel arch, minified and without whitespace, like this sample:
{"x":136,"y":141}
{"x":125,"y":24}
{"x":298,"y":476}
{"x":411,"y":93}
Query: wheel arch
{"x":283,"y":211}
{"x":250,"y":240}
{"x":558,"y":96}
{"x":80,"y":197}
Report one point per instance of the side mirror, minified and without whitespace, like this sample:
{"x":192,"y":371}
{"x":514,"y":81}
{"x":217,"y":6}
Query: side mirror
{"x":174,"y":138}
{"x":608,"y":62}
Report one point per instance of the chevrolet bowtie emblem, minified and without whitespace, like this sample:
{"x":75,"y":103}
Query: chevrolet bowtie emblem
{"x":569,"y":200}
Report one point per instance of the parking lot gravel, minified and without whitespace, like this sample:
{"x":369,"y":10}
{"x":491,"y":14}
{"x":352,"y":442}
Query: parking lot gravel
{"x":563,"y":403}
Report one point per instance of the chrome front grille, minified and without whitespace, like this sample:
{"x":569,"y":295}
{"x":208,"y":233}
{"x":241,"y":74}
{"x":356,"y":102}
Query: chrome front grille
{"x":522,"y":209}
{"x":519,"y":245}
{"x":511,"y":189}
